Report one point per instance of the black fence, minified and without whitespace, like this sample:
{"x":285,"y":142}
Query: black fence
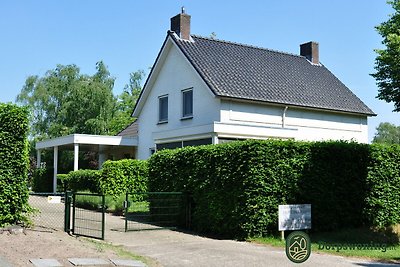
{"x":49,"y":210}
{"x":156,"y":210}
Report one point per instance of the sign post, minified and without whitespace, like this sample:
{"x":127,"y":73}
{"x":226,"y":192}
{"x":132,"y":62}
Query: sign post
{"x":294,"y":217}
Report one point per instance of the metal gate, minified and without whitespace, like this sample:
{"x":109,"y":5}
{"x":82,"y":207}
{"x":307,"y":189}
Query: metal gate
{"x":156,"y":210}
{"x":88,"y":215}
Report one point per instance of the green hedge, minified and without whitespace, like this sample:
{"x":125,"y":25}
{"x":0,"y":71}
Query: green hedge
{"x":237,"y":187}
{"x":43,"y":179}
{"x":383,"y":186}
{"x":122,"y":176}
{"x":14,"y":163}
{"x":82,"y":180}
{"x":334,"y":182}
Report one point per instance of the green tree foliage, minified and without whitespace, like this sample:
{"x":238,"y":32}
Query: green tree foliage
{"x":65,"y":101}
{"x":387,"y":133}
{"x":387,"y":63}
{"x":127,"y":101}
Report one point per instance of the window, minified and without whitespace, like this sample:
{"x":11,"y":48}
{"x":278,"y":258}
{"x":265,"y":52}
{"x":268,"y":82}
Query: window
{"x":187,"y":103}
{"x":169,"y":145}
{"x":180,"y":144}
{"x":198,"y":142}
{"x":163,"y":109}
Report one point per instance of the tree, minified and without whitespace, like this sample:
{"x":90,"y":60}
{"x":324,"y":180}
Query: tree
{"x":387,"y":62}
{"x":127,"y":101}
{"x":387,"y":133}
{"x":65,"y":101}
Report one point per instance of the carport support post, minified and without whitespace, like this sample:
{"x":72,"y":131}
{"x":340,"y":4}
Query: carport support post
{"x":76,"y":157}
{"x":38,"y":158}
{"x":55,"y":165}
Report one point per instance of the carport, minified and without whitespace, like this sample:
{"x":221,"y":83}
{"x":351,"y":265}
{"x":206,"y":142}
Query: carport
{"x":108,"y":147}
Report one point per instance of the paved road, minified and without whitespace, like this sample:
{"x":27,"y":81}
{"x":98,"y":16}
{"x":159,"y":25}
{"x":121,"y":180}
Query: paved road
{"x":174,"y":249}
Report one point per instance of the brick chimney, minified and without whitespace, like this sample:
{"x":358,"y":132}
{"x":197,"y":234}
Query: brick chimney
{"x":180,"y":24}
{"x":310,"y":50}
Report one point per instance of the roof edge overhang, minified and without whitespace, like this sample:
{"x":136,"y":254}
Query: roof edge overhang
{"x":245,"y":100}
{"x":150,"y":80}
{"x":87,"y":139}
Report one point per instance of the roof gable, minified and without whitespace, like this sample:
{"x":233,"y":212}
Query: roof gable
{"x":251,"y":73}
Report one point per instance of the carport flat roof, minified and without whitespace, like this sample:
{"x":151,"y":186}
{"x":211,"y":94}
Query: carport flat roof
{"x":88,"y":139}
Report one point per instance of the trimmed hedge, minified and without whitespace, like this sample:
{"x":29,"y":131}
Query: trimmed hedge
{"x":122,"y":176}
{"x":82,"y":180}
{"x":43,"y":179}
{"x":334,"y":182}
{"x":383,"y":184}
{"x":237,"y":187}
{"x":14,"y":163}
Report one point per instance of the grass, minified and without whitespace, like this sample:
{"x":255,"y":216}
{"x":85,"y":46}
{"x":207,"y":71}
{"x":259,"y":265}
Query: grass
{"x":113,"y":205}
{"x":120,"y":251}
{"x":361,"y":242}
{"x":137,"y":203}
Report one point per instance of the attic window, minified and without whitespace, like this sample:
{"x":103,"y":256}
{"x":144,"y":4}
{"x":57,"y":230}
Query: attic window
{"x":163,"y":109}
{"x":187,"y":103}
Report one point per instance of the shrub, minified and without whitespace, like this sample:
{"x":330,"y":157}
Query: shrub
{"x":237,"y":187}
{"x":383,"y":186}
{"x":123,"y":176}
{"x":334,"y":182}
{"x":82,"y":180}
{"x":62,"y":182}
{"x":43,"y":179}
{"x":14,"y":163}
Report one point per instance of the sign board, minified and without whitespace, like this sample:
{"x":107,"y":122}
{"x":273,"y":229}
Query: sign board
{"x":294,"y":217}
{"x":54,"y":199}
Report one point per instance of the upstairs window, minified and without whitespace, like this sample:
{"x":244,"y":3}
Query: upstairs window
{"x":187,"y":103}
{"x":163,"y":109}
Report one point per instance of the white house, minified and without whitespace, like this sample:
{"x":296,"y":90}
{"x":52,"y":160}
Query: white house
{"x":207,"y":91}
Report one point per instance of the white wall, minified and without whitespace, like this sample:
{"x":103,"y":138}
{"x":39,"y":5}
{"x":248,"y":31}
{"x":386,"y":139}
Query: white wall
{"x":174,"y":74}
{"x":305,"y":124}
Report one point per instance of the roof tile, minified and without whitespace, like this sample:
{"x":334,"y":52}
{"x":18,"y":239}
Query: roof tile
{"x":248,"y":72}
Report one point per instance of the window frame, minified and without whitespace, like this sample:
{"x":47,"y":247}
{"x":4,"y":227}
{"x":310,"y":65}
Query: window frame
{"x":162,"y":119}
{"x":187,"y":115}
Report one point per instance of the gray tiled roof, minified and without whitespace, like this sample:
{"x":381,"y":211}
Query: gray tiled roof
{"x":130,"y":130}
{"x":247,"y":72}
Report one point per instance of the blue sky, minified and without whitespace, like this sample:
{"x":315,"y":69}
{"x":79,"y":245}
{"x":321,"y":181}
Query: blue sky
{"x":127,"y":35}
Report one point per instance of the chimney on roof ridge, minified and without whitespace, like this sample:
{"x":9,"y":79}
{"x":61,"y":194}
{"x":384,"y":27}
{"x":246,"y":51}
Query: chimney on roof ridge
{"x":310,"y":50}
{"x":180,"y":24}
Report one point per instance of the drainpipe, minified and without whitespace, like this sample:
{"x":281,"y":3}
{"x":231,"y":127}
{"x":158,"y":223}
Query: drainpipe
{"x":284,"y":116}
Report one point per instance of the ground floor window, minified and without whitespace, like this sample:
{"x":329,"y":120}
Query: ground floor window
{"x":180,"y":144}
{"x":228,"y":140}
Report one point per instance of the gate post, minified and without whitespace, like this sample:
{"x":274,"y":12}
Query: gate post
{"x":67,"y":213}
{"x":103,"y":215}
{"x":126,"y":211}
